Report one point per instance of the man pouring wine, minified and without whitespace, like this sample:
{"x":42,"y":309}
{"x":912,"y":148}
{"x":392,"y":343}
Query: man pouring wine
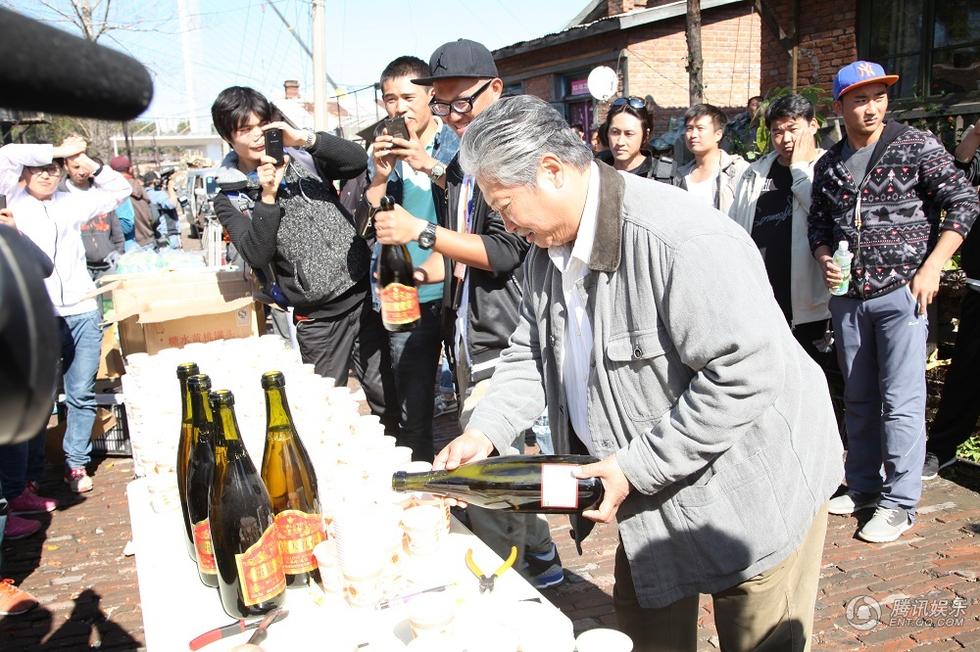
{"x":658,"y":347}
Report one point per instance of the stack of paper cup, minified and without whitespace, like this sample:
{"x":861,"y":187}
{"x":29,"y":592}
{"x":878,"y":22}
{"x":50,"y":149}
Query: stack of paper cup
{"x":603,"y":640}
{"x":423,"y":526}
{"x":325,"y":553}
{"x":361,"y":552}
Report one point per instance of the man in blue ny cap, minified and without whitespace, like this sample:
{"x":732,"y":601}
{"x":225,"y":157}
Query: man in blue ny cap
{"x":882,"y":190}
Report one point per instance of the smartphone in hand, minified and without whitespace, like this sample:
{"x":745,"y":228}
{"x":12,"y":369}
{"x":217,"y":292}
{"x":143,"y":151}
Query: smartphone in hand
{"x":3,"y":202}
{"x":396,"y":127}
{"x":273,"y":145}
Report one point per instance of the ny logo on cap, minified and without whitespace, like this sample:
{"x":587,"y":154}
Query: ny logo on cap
{"x":865,"y":69}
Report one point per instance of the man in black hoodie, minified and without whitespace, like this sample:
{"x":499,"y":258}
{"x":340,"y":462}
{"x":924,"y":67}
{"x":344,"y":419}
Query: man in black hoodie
{"x":286,"y":221}
{"x":959,"y":409}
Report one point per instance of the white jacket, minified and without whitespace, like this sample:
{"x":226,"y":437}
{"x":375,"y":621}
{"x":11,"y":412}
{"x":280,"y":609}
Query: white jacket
{"x":54,"y":225}
{"x":808,"y":292}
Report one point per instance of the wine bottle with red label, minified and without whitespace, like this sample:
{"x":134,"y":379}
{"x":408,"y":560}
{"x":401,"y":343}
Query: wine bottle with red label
{"x":251,"y":580}
{"x":200,"y":472}
{"x":399,"y":297}
{"x":184,"y":445}
{"x":541,"y":484}
{"x":291,"y":482}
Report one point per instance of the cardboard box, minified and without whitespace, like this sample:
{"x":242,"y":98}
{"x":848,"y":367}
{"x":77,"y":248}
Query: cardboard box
{"x":170,"y":309}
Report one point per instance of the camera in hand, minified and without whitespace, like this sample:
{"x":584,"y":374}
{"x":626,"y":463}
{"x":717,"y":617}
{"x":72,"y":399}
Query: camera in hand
{"x":396,"y":127}
{"x":273,"y":145}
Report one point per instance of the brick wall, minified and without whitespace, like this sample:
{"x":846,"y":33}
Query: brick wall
{"x":541,"y":86}
{"x":730,"y":42}
{"x":828,"y":41}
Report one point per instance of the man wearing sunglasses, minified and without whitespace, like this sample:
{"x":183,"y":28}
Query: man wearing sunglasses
{"x":480,"y":265}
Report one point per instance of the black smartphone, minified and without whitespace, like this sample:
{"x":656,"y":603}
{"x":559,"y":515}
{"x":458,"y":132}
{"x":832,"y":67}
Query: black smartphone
{"x":273,"y":145}
{"x":3,"y":202}
{"x":396,"y":127}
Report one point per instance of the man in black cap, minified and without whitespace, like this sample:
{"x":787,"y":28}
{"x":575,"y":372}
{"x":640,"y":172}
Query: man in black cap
{"x":480,"y":265}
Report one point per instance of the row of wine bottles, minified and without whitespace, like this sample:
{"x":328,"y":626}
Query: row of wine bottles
{"x":250,"y":535}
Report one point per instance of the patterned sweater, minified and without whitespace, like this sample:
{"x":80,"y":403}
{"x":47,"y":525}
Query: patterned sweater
{"x":891,"y":218}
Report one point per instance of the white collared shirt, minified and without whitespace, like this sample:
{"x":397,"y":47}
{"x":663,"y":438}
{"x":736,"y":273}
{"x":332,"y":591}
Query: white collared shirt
{"x":572,"y":262}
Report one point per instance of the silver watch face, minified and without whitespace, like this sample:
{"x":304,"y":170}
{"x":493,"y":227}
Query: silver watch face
{"x":428,"y":237}
{"x":438,"y":170}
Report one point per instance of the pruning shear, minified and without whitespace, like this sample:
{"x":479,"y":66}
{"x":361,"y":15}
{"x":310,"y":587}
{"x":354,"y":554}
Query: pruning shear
{"x":487,"y":582}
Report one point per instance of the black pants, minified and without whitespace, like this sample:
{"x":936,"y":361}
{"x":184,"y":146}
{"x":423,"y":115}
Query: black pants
{"x":355,"y":339}
{"x":959,"y":407}
{"x":415,"y":358}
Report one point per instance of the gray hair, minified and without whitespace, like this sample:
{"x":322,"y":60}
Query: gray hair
{"x":507,"y":141}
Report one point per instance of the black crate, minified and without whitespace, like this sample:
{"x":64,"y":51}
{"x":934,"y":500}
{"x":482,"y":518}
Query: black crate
{"x":114,"y":442}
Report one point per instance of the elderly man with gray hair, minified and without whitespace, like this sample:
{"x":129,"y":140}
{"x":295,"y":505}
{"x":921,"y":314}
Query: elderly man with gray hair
{"x":657,"y":345}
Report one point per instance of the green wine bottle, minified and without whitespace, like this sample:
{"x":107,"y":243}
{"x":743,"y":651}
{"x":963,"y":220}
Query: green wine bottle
{"x":184,"y":445}
{"x":521,"y":483}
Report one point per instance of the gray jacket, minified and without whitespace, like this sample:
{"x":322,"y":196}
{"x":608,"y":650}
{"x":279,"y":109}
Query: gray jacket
{"x":720,"y":421}
{"x":732,"y":166}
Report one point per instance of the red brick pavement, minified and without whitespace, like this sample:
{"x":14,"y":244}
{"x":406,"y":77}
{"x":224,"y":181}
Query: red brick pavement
{"x":88,"y":588}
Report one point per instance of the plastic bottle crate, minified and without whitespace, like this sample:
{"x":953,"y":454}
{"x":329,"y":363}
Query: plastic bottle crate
{"x":114,"y":441}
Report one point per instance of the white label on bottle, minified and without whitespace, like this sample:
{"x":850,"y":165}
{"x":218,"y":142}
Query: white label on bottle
{"x":559,"y":488}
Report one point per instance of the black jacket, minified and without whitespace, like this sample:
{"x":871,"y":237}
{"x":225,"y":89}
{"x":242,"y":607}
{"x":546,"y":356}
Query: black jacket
{"x":307,"y":238}
{"x":494,"y":296}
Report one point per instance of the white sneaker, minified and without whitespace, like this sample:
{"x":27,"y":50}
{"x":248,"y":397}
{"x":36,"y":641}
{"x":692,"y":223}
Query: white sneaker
{"x":850,"y":502}
{"x":886,"y":525}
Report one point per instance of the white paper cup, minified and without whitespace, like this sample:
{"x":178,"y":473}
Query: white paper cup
{"x":325,"y":553}
{"x":423,"y":526}
{"x":603,"y":640}
{"x":431,"y":616}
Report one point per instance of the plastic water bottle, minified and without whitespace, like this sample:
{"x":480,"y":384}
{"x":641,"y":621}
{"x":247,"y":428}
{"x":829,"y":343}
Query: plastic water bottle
{"x":842,"y":258}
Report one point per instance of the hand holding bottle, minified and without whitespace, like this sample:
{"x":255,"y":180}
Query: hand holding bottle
{"x":615,"y":485}
{"x":471,"y":446}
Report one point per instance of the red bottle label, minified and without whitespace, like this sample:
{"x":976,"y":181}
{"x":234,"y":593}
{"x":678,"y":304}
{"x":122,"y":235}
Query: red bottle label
{"x":298,"y":534}
{"x":260,"y":569}
{"x":203,"y":549}
{"x":399,"y":304}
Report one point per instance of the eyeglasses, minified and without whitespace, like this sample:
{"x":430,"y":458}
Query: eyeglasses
{"x":632,"y":100}
{"x":52,"y":169}
{"x":461,"y":105}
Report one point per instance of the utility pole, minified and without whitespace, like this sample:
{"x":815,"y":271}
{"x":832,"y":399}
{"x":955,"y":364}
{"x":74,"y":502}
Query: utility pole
{"x":319,"y":66}
{"x":695,"y":63}
{"x":187,"y":24}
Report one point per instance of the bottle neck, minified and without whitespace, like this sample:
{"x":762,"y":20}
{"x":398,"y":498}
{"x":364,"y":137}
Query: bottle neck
{"x":185,"y":402}
{"x":227,"y":431}
{"x":202,"y":417}
{"x":279,"y":421}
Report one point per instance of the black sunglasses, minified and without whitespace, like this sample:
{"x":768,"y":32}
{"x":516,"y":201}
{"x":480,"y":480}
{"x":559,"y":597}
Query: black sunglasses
{"x":632,"y":100}
{"x":461,"y":105}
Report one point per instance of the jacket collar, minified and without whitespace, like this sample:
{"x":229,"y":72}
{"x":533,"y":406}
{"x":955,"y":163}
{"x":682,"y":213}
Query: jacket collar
{"x":725,"y":165}
{"x":607,"y":247}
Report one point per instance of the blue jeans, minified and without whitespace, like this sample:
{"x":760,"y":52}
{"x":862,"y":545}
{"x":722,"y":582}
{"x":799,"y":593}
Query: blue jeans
{"x":20,"y":463}
{"x":81,"y":346}
{"x":881,"y":347}
{"x":415,"y":359}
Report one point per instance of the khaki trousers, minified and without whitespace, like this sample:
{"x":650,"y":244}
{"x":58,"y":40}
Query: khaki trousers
{"x":770,"y":612}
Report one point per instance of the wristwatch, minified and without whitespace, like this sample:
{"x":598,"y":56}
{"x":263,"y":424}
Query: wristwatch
{"x":310,"y":139}
{"x":438,"y":170}
{"x":428,"y":236}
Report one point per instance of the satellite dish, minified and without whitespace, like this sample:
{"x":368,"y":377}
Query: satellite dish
{"x":603,"y":83}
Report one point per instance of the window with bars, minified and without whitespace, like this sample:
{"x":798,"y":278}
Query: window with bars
{"x":934,"y":45}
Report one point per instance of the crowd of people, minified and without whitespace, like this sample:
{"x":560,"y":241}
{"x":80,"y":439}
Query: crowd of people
{"x":672,"y":319}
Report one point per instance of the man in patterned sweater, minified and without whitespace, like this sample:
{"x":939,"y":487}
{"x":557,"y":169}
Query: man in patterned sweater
{"x":882,"y":189}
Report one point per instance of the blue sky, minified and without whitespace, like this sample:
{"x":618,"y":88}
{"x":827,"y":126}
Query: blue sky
{"x":244,"y":42}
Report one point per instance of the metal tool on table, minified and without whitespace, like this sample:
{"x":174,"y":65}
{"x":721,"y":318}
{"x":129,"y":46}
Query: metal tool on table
{"x":261,"y":633}
{"x":235,"y":628}
{"x":390,"y":602}
{"x":487,"y":581}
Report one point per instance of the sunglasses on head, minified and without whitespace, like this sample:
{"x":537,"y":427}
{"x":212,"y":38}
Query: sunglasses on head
{"x":634,"y":101}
